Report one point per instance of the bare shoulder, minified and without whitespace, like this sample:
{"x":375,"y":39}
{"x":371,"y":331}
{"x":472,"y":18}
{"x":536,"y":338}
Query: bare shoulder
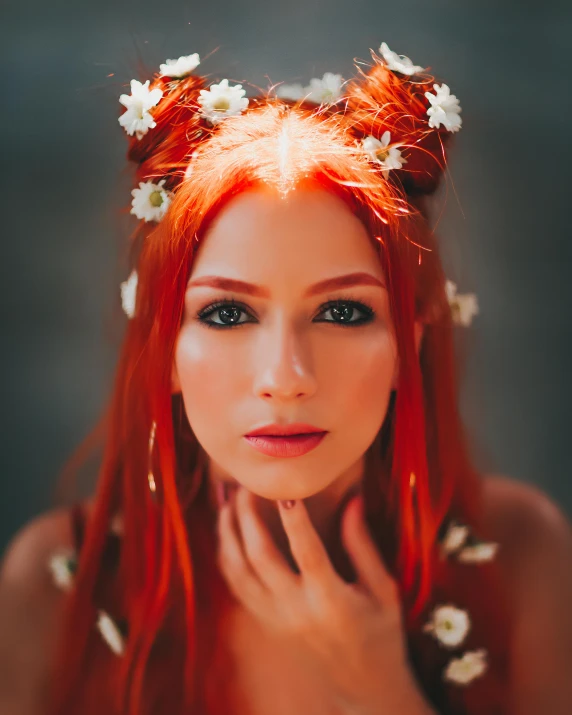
{"x":26,"y":554}
{"x":523,"y":514}
{"x":535,"y":538}
{"x":30,"y":610}
{"x":526,"y":520}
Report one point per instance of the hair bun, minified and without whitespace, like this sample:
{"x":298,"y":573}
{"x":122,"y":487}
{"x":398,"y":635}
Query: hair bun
{"x":164,"y":150}
{"x":382,"y":100}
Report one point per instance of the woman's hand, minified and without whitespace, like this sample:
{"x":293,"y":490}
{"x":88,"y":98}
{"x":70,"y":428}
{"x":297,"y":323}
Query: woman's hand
{"x":350,"y":633}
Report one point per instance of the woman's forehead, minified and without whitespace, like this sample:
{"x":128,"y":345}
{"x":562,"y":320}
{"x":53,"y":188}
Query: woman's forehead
{"x":310,"y":233}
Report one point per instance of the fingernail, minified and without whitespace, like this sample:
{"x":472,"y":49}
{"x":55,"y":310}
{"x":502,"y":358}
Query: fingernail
{"x":287,"y":503}
{"x":221,"y":493}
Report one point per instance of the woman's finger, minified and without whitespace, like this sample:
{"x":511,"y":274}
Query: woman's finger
{"x":306,"y":545}
{"x":368,"y":563}
{"x":262,"y":553}
{"x":240,"y":577}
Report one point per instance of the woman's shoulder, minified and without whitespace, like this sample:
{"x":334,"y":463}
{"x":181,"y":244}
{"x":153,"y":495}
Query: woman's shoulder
{"x":29,"y":549}
{"x":534,"y":535}
{"x":34,"y":556}
{"x":31,"y":608}
{"x":523,"y":516}
{"x":535,"y":538}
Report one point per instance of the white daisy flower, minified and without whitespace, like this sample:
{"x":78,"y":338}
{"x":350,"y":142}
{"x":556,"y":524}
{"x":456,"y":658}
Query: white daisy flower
{"x":221,"y":101}
{"x":110,"y":632}
{"x":454,"y":538}
{"x":327,"y":90}
{"x":291,"y":91}
{"x":181,"y":67}
{"x":150,"y":200}
{"x":463,"y":306}
{"x":450,"y":290}
{"x":398,"y":63}
{"x":63,"y":565}
{"x":129,"y":294}
{"x":388,"y":157}
{"x":466,"y":308}
{"x":463,"y":670}
{"x":137,"y":119}
{"x":444,"y":109}
{"x":449,"y":625}
{"x":479,"y":553}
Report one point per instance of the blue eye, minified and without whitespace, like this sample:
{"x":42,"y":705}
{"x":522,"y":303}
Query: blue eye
{"x":342,"y":311}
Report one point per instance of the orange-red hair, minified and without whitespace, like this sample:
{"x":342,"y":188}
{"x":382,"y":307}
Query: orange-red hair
{"x":166,"y":585}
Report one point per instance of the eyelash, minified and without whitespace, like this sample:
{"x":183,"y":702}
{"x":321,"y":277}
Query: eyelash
{"x":365,"y":308}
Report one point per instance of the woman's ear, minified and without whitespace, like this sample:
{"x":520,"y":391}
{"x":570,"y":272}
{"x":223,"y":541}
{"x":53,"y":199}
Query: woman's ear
{"x":175,"y":382}
{"x":418,"y":330}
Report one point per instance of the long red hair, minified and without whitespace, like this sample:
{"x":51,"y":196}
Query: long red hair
{"x":165,"y":585}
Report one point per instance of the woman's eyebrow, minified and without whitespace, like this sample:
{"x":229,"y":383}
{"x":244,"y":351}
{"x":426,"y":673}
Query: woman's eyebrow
{"x":238,"y":286}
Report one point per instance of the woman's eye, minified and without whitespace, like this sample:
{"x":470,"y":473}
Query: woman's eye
{"x":342,"y":312}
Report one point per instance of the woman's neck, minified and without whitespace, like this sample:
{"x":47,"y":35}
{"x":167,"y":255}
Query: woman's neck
{"x":324,"y":508}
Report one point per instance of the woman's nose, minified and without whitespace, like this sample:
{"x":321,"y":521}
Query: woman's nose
{"x":283,"y":368}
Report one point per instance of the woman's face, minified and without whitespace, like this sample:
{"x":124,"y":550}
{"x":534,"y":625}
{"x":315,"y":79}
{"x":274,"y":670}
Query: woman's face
{"x":284,"y":352}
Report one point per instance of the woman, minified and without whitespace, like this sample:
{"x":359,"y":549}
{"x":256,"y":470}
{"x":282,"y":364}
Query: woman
{"x":287,"y":518}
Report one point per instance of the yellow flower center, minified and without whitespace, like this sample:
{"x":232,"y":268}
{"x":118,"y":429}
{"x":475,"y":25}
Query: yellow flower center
{"x":382,"y":154}
{"x":221,"y":104}
{"x":155,"y":199}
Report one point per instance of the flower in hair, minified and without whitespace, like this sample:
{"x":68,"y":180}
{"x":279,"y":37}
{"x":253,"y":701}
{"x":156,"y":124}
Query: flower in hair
{"x":478,"y":553}
{"x":63,"y":566}
{"x":221,"y":101}
{"x":291,"y":91}
{"x":150,"y":201}
{"x":180,"y":68}
{"x":463,"y":306}
{"x":388,"y":157}
{"x":110,"y":632}
{"x":449,"y":625}
{"x":137,"y":119}
{"x":327,"y":90}
{"x":444,"y":109}
{"x":398,"y":63}
{"x":463,"y":670}
{"x":129,"y":294}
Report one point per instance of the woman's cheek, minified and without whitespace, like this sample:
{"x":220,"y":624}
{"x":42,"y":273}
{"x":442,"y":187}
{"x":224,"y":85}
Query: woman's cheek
{"x":210,"y":385}
{"x":200,"y":375}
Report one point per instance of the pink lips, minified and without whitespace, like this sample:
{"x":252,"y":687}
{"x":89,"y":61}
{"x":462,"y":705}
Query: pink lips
{"x":293,"y":428}
{"x":285,"y":445}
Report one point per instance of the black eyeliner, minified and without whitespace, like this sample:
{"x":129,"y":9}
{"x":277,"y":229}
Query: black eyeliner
{"x":361,"y":305}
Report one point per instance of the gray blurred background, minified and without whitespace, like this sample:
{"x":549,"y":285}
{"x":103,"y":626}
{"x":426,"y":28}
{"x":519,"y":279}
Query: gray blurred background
{"x":66,"y":194}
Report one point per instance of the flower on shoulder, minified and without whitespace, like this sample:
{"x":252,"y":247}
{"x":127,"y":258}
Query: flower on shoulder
{"x":129,"y":294}
{"x":110,"y":632}
{"x":221,"y":101}
{"x":137,"y":119}
{"x":455,"y":537}
{"x":449,"y":625}
{"x":463,"y":306}
{"x":150,"y":200}
{"x":444,"y":109}
{"x":465,"y":669}
{"x":63,"y":566}
{"x":398,"y":63}
{"x":388,"y":156}
{"x":478,"y":553}
{"x":180,"y":68}
{"x":326,"y":90}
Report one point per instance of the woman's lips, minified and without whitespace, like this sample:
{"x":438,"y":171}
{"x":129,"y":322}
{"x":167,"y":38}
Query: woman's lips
{"x":286,"y":446}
